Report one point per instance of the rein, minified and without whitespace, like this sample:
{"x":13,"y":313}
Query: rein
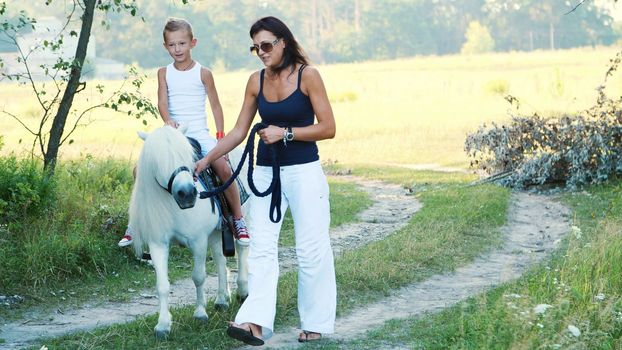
{"x":275,"y":184}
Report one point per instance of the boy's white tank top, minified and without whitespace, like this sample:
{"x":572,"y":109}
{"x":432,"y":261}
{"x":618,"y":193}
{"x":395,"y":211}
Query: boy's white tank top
{"x":186,"y":103}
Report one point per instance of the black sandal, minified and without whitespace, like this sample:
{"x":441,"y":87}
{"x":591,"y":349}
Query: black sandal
{"x":243,"y":335}
{"x":306,"y":338}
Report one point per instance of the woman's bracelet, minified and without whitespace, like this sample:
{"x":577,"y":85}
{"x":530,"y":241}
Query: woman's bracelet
{"x":220,"y":135}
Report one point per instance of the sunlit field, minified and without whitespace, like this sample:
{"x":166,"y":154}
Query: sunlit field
{"x":409,"y":111}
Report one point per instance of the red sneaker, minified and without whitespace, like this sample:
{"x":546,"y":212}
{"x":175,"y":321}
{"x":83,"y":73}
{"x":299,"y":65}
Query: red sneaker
{"x":241,"y":233}
{"x":127,"y":238}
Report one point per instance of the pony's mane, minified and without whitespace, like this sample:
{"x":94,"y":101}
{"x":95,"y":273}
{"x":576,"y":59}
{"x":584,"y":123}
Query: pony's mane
{"x":151,"y":207}
{"x":165,"y":148}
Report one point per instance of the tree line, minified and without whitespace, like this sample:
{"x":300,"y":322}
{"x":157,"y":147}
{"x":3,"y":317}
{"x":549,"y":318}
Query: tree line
{"x":336,"y":31}
{"x":350,"y":30}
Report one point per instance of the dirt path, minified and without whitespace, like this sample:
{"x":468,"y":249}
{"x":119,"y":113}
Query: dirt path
{"x":390,"y":211}
{"x":535,"y":226}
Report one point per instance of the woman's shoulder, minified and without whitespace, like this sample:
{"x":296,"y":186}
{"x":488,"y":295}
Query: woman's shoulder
{"x":252,"y":85}
{"x":254,"y":76}
{"x":310,"y":77}
{"x":309,"y":72}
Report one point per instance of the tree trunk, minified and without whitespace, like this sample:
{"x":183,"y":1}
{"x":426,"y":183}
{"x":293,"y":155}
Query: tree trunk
{"x":58,"y":124}
{"x":552,"y":35}
{"x":314,"y":24}
{"x":357,"y":16}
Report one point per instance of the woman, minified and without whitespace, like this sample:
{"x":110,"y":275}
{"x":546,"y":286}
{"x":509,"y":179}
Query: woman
{"x":290,"y":96}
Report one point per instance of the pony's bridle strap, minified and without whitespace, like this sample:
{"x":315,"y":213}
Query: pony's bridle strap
{"x":169,"y":187}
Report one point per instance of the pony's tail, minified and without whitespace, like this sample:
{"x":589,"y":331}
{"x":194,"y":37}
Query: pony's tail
{"x":137,"y":236}
{"x":137,"y":242}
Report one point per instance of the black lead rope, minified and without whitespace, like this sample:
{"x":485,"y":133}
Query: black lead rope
{"x":275,"y":185}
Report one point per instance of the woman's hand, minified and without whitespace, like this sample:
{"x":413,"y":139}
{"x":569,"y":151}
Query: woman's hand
{"x":271,"y":134}
{"x":201,"y":165}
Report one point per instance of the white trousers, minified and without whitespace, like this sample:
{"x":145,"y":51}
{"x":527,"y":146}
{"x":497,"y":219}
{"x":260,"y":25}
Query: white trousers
{"x":305,"y":190}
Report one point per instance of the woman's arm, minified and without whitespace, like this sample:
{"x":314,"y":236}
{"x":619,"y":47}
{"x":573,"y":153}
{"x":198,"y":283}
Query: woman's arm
{"x":312,"y":86}
{"x":210,"y":89}
{"x":239,"y":131}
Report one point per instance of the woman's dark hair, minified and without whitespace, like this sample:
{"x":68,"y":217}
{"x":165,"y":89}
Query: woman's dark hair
{"x":292,"y":53}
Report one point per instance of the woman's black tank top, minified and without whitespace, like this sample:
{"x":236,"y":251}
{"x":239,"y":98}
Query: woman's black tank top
{"x":295,"y":110}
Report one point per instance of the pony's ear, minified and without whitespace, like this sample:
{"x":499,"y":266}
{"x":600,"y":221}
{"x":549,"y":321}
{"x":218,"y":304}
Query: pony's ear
{"x":143,"y":135}
{"x":183,"y":128}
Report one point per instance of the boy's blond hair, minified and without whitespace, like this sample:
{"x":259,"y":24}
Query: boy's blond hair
{"x":175,"y":24}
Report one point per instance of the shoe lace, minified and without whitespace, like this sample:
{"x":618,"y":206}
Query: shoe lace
{"x":240,"y":225}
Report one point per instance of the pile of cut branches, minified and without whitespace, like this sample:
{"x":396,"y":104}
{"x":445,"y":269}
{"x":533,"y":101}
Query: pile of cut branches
{"x":570,"y":150}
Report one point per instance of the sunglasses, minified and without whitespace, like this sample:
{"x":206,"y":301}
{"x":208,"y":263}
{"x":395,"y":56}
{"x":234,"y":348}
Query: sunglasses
{"x":265,"y":47}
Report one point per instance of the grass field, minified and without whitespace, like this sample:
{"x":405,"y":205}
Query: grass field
{"x":402,"y":112}
{"x":406,"y":111}
{"x":581,"y":284}
{"x":425,"y":246}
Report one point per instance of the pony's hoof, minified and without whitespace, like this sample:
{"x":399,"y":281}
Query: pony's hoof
{"x":242,"y":298}
{"x":162,"y":335}
{"x":221,"y":307}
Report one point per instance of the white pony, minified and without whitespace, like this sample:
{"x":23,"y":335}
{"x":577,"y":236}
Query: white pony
{"x":164,"y":209}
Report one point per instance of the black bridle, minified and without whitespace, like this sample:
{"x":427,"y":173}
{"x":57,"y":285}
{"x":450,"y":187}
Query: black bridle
{"x":169,"y":187}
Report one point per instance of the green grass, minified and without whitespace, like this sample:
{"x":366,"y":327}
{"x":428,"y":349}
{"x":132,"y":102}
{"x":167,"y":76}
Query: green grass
{"x":68,"y":253}
{"x":405,"y":111}
{"x":456,"y":224}
{"x":586,"y":265}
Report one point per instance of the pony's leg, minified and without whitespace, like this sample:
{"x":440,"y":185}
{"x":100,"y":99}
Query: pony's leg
{"x":199,"y":252}
{"x":159,"y":256}
{"x":242,"y":280}
{"x":215,"y":243}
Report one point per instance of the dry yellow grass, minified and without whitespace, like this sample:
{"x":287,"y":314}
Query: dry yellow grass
{"x":406,"y":111}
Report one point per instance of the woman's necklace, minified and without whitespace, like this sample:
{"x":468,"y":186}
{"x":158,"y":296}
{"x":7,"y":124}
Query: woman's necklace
{"x":188,"y":66}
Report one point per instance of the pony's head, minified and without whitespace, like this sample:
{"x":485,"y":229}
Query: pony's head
{"x":166,"y":158}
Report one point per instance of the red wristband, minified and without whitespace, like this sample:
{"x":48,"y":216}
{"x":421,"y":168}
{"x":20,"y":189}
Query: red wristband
{"x":220,"y":135}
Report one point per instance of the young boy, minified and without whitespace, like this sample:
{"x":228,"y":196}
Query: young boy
{"x":182,"y":87}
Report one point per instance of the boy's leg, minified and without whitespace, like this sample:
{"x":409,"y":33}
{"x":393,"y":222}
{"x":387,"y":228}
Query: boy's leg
{"x":223,"y":170}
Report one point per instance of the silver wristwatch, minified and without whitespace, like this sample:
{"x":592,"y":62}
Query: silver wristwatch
{"x":288,"y":135}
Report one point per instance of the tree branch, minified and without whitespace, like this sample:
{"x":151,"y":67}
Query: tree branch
{"x":75,"y":125}
{"x":20,"y":121}
{"x":576,"y":7}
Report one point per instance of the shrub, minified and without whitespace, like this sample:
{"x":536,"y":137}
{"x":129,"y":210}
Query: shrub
{"x":572,"y":150}
{"x":74,"y":236}
{"x":24,"y":188}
